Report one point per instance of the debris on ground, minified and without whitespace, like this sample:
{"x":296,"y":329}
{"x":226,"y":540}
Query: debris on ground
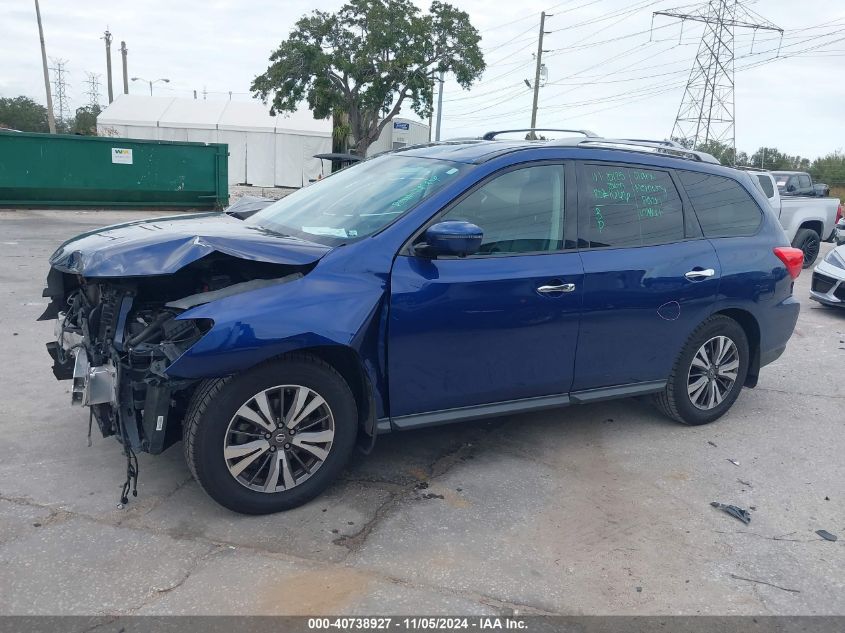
{"x":745,"y":483}
{"x":734,"y":511}
{"x":712,"y":444}
{"x":733,"y":461}
{"x":763,"y":582}
{"x":827,"y":535}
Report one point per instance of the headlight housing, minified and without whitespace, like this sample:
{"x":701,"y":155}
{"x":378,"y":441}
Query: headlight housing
{"x":835,"y":259}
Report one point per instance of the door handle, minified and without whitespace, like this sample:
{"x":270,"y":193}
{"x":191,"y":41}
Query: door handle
{"x":696,"y":275}
{"x":558,"y":288}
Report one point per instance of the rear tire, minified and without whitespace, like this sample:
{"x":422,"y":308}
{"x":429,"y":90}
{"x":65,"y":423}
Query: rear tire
{"x":703,"y":386}
{"x":284,"y":469}
{"x":809,"y":242}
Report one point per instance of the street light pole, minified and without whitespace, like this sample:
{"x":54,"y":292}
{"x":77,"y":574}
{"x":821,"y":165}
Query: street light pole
{"x":154,"y":81}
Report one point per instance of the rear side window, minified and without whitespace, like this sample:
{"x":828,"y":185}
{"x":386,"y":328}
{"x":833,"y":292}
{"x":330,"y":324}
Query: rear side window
{"x":766,"y":184}
{"x":629,"y":206}
{"x":724,"y":208}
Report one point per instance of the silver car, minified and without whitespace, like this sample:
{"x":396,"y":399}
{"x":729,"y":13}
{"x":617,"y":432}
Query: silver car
{"x":828,"y":285}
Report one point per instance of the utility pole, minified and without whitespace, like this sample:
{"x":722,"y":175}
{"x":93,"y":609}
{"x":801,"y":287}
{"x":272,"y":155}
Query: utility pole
{"x":537,"y":73}
{"x":51,"y":119}
{"x":107,"y":37}
{"x":707,"y":108}
{"x":60,"y":88}
{"x":439,"y":107}
{"x":123,"y":53}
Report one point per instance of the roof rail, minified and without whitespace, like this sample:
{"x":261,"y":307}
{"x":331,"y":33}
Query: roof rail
{"x":490,"y":136}
{"x":650,"y":147}
{"x":663,"y":142}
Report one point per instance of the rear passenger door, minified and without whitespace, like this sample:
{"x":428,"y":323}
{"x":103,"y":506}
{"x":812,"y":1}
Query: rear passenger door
{"x":650,"y":277}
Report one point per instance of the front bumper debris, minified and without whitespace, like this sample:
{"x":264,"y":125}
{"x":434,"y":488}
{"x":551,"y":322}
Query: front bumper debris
{"x":93,"y":385}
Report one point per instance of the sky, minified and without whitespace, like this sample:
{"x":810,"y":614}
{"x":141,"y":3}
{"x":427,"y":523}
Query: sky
{"x":612,"y":68}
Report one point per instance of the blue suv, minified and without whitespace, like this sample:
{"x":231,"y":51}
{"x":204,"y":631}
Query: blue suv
{"x":436,"y":284}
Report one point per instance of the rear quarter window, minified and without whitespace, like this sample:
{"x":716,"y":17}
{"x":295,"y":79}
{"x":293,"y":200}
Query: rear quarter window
{"x":724,"y":208}
{"x":766,"y":185}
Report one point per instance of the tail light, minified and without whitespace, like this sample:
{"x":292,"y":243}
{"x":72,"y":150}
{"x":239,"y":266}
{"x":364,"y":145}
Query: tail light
{"x":793,"y":259}
{"x":838,"y":214}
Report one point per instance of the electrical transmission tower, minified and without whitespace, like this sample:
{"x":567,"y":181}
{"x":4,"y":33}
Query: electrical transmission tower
{"x":60,"y":86}
{"x":707,"y":108}
{"x":93,"y":92}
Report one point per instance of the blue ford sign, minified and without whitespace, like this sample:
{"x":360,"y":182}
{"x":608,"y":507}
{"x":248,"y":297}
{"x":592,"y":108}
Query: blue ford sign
{"x":399,"y":125}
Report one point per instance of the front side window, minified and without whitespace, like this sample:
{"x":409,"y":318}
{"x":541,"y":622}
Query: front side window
{"x":628,"y":206}
{"x":520,"y":211}
{"x":724,"y":208}
{"x":359,"y":200}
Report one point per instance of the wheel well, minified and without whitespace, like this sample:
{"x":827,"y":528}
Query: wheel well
{"x":348,"y":364}
{"x":752,"y":332}
{"x":814,"y":225}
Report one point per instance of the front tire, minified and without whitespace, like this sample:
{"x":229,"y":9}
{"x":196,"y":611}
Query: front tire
{"x":272,"y":438}
{"x":709,"y":373}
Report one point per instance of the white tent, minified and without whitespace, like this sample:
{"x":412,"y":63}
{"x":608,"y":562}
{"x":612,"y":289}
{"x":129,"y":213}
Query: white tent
{"x":263,"y":150}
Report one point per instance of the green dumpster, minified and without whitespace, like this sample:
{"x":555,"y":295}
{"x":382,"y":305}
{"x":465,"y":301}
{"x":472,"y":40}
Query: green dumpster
{"x":55,"y":170}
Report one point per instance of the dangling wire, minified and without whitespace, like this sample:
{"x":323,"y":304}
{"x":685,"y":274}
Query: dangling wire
{"x":132,"y":472}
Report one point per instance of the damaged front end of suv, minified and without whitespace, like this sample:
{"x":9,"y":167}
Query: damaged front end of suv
{"x":117,"y":299}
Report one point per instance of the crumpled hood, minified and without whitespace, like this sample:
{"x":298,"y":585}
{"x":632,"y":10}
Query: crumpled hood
{"x":161,"y":246}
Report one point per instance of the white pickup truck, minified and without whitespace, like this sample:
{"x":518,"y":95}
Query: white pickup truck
{"x":806,"y":220}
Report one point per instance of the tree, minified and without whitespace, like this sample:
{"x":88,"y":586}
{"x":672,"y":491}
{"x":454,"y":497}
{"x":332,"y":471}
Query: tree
{"x":85,"y":121}
{"x":24,"y":114}
{"x":368,"y":60}
{"x":770,"y":158}
{"x":723,"y":152}
{"x":829,"y":169}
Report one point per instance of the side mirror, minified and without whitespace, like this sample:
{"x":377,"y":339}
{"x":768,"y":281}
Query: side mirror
{"x":453,"y":237}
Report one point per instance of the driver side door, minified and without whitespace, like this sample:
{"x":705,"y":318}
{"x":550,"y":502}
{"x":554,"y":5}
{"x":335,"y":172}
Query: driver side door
{"x":496,"y":331}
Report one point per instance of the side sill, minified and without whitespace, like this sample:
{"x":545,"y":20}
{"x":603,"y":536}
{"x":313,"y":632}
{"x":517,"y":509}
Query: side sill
{"x":421,"y":420}
{"x":446,"y":416}
{"x":620,"y":391}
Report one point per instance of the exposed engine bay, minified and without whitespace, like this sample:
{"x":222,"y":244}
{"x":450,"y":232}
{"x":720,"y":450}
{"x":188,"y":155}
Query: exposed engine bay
{"x":117,"y":336}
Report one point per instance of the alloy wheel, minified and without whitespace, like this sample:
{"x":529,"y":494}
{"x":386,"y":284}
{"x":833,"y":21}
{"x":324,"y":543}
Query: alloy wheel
{"x":713,"y":372}
{"x":279,"y":438}
{"x":811,"y":250}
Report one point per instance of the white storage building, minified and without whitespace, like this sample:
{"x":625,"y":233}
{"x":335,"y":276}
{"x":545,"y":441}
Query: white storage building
{"x":399,"y":133}
{"x":264,"y":150}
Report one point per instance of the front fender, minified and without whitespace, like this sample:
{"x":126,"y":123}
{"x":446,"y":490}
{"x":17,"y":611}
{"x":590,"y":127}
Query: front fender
{"x":315,"y":311}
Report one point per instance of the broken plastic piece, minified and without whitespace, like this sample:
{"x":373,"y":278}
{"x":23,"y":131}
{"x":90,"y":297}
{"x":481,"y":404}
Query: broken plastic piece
{"x":733,"y":461}
{"x":734,"y":511}
{"x":827,"y":535}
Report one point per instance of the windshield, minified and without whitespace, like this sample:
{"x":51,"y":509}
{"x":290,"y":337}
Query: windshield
{"x":359,"y":200}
